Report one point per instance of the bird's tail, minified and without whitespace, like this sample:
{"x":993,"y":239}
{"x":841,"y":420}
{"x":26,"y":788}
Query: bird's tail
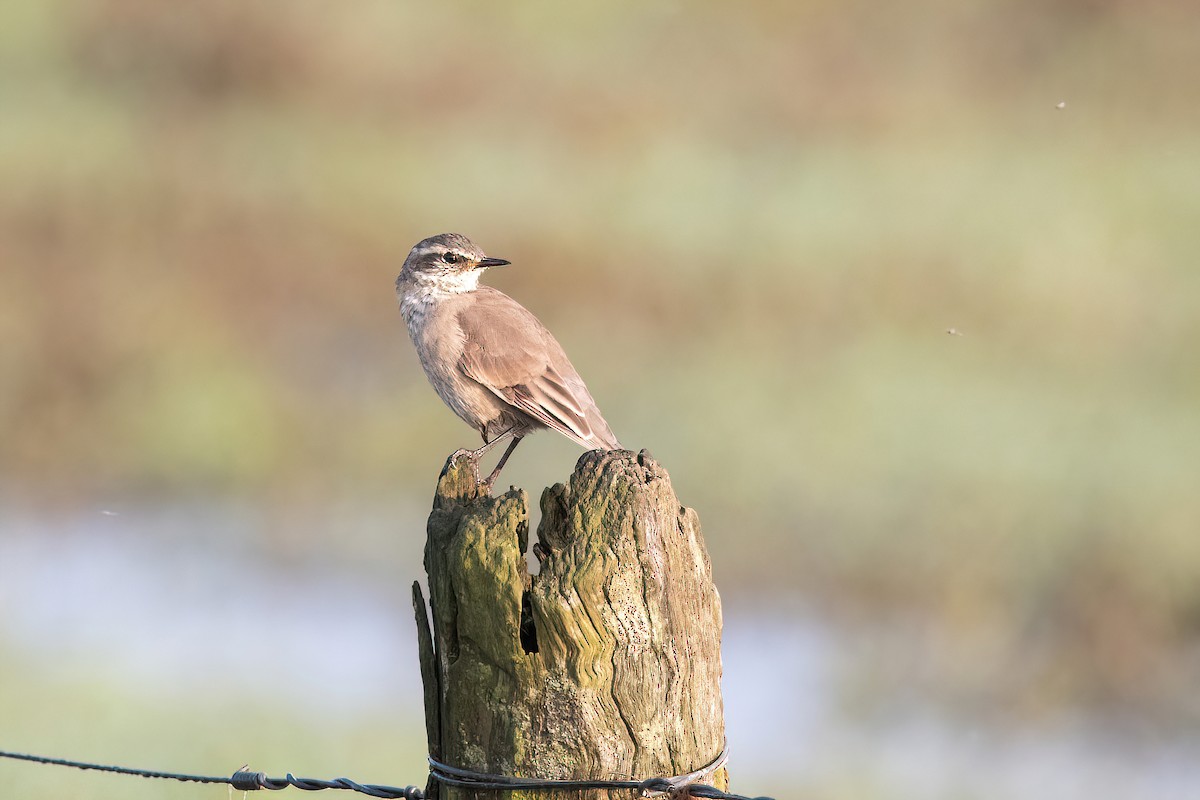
{"x":602,"y":437}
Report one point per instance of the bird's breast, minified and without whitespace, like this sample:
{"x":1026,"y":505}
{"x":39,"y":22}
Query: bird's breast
{"x":440,"y":341}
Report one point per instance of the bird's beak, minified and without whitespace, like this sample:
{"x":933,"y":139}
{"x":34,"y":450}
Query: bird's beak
{"x":493,"y":262}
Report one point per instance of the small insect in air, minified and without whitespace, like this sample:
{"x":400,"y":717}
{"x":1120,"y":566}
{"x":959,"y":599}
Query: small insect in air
{"x":954,"y":331}
{"x":1060,"y":105}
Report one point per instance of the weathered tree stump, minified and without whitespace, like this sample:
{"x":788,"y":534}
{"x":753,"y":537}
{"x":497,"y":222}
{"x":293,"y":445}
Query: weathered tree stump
{"x":604,"y":665}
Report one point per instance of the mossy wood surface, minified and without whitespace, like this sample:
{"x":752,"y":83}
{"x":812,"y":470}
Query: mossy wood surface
{"x":606,"y":664}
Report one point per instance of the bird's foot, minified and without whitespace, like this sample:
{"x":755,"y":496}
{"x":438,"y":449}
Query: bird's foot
{"x":460,"y":454}
{"x":486,"y":484}
{"x":470,"y":459}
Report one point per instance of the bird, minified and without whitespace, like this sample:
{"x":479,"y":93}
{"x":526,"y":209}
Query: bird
{"x":490,"y":360}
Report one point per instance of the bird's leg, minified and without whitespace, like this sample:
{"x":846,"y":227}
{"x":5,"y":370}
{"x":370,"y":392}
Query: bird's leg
{"x":489,"y":445}
{"x":475,"y":455}
{"x":490,"y":479}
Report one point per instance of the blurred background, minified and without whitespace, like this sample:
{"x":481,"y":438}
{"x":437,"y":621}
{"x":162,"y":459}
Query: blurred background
{"x":905,"y":298}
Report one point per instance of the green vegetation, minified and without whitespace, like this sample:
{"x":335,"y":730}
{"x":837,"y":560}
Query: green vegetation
{"x":100,"y":717}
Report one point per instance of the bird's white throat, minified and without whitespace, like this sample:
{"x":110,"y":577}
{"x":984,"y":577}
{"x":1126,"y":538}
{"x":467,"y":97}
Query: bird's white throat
{"x":421,"y":291}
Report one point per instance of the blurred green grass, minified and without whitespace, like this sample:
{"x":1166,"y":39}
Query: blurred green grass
{"x":751,"y":228}
{"x":111,"y":723}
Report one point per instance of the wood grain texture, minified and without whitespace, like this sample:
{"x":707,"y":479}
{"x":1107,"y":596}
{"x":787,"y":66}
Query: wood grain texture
{"x":606,"y":664}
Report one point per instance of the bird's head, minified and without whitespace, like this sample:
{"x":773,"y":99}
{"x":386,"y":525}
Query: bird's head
{"x":448,"y":262}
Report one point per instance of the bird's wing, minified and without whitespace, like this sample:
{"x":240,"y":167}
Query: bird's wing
{"x":509,"y":352}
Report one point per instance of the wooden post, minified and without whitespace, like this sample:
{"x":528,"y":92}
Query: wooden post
{"x":604,"y":665}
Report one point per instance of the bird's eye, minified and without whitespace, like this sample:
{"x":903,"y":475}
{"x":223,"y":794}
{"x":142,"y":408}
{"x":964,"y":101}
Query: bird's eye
{"x":451,"y":258}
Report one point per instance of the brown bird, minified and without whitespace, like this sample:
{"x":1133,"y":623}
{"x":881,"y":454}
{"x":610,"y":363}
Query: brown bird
{"x":489,"y":358}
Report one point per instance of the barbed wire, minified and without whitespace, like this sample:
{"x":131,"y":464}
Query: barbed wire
{"x":677,"y":788}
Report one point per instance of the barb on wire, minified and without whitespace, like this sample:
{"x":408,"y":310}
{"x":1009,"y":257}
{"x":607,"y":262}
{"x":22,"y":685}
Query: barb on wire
{"x":249,"y":781}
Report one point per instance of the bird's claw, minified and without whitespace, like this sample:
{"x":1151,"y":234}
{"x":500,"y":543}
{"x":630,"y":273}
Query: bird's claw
{"x":471,"y":458}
